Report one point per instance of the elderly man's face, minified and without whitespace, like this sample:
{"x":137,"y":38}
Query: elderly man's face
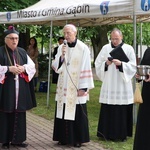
{"x":69,"y":34}
{"x":116,"y":38}
{"x":11,"y":40}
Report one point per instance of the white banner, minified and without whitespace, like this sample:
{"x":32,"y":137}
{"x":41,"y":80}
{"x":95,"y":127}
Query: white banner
{"x":47,"y":10}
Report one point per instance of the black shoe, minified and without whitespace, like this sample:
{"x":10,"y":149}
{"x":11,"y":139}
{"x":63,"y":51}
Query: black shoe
{"x":23,"y":145}
{"x":77,"y":145}
{"x":5,"y":146}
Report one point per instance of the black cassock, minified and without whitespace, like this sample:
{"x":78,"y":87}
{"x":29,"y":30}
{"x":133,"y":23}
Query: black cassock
{"x":72,"y":131}
{"x":12,"y":119}
{"x":142,"y":134}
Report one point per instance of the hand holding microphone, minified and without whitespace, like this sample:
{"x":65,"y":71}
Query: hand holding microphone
{"x":64,"y":48}
{"x":65,"y":42}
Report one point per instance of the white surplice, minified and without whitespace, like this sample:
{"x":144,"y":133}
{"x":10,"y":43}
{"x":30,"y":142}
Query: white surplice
{"x":117,"y":86}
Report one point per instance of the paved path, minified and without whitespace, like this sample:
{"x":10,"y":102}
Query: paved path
{"x":39,"y":136}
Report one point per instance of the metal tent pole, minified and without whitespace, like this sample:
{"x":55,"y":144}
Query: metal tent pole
{"x":134,"y":80}
{"x":49,"y":67}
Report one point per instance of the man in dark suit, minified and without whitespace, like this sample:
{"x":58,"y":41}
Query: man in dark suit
{"x":54,"y":74}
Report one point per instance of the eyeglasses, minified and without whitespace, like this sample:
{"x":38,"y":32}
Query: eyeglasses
{"x":13,"y":38}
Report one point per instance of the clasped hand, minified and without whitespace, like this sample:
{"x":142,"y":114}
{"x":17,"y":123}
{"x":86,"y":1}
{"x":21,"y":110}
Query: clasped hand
{"x":17,"y":69}
{"x":117,"y":62}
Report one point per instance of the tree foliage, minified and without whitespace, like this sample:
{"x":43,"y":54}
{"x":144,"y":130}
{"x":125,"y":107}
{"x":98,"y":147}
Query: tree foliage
{"x":11,"y":5}
{"x":128,"y":33}
{"x":145,"y":33}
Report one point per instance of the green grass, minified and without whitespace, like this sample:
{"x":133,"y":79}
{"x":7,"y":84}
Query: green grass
{"x":93,"y":114}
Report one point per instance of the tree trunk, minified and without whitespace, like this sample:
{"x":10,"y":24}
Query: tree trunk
{"x":24,"y":39}
{"x":100,"y":39}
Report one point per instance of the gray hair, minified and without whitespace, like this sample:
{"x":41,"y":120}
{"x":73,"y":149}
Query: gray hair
{"x":71,"y":26}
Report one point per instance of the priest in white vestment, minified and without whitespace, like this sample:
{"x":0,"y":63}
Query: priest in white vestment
{"x":73,"y":63}
{"x":116,"y":94}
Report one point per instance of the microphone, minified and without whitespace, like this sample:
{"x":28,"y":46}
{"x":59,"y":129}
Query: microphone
{"x":65,"y":42}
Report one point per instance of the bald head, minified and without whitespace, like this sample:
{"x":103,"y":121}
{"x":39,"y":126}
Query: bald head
{"x":116,"y":30}
{"x":116,"y":37}
{"x":70,"y":32}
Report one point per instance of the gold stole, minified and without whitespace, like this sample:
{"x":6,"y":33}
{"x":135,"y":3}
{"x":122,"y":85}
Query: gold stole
{"x":71,"y":93}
